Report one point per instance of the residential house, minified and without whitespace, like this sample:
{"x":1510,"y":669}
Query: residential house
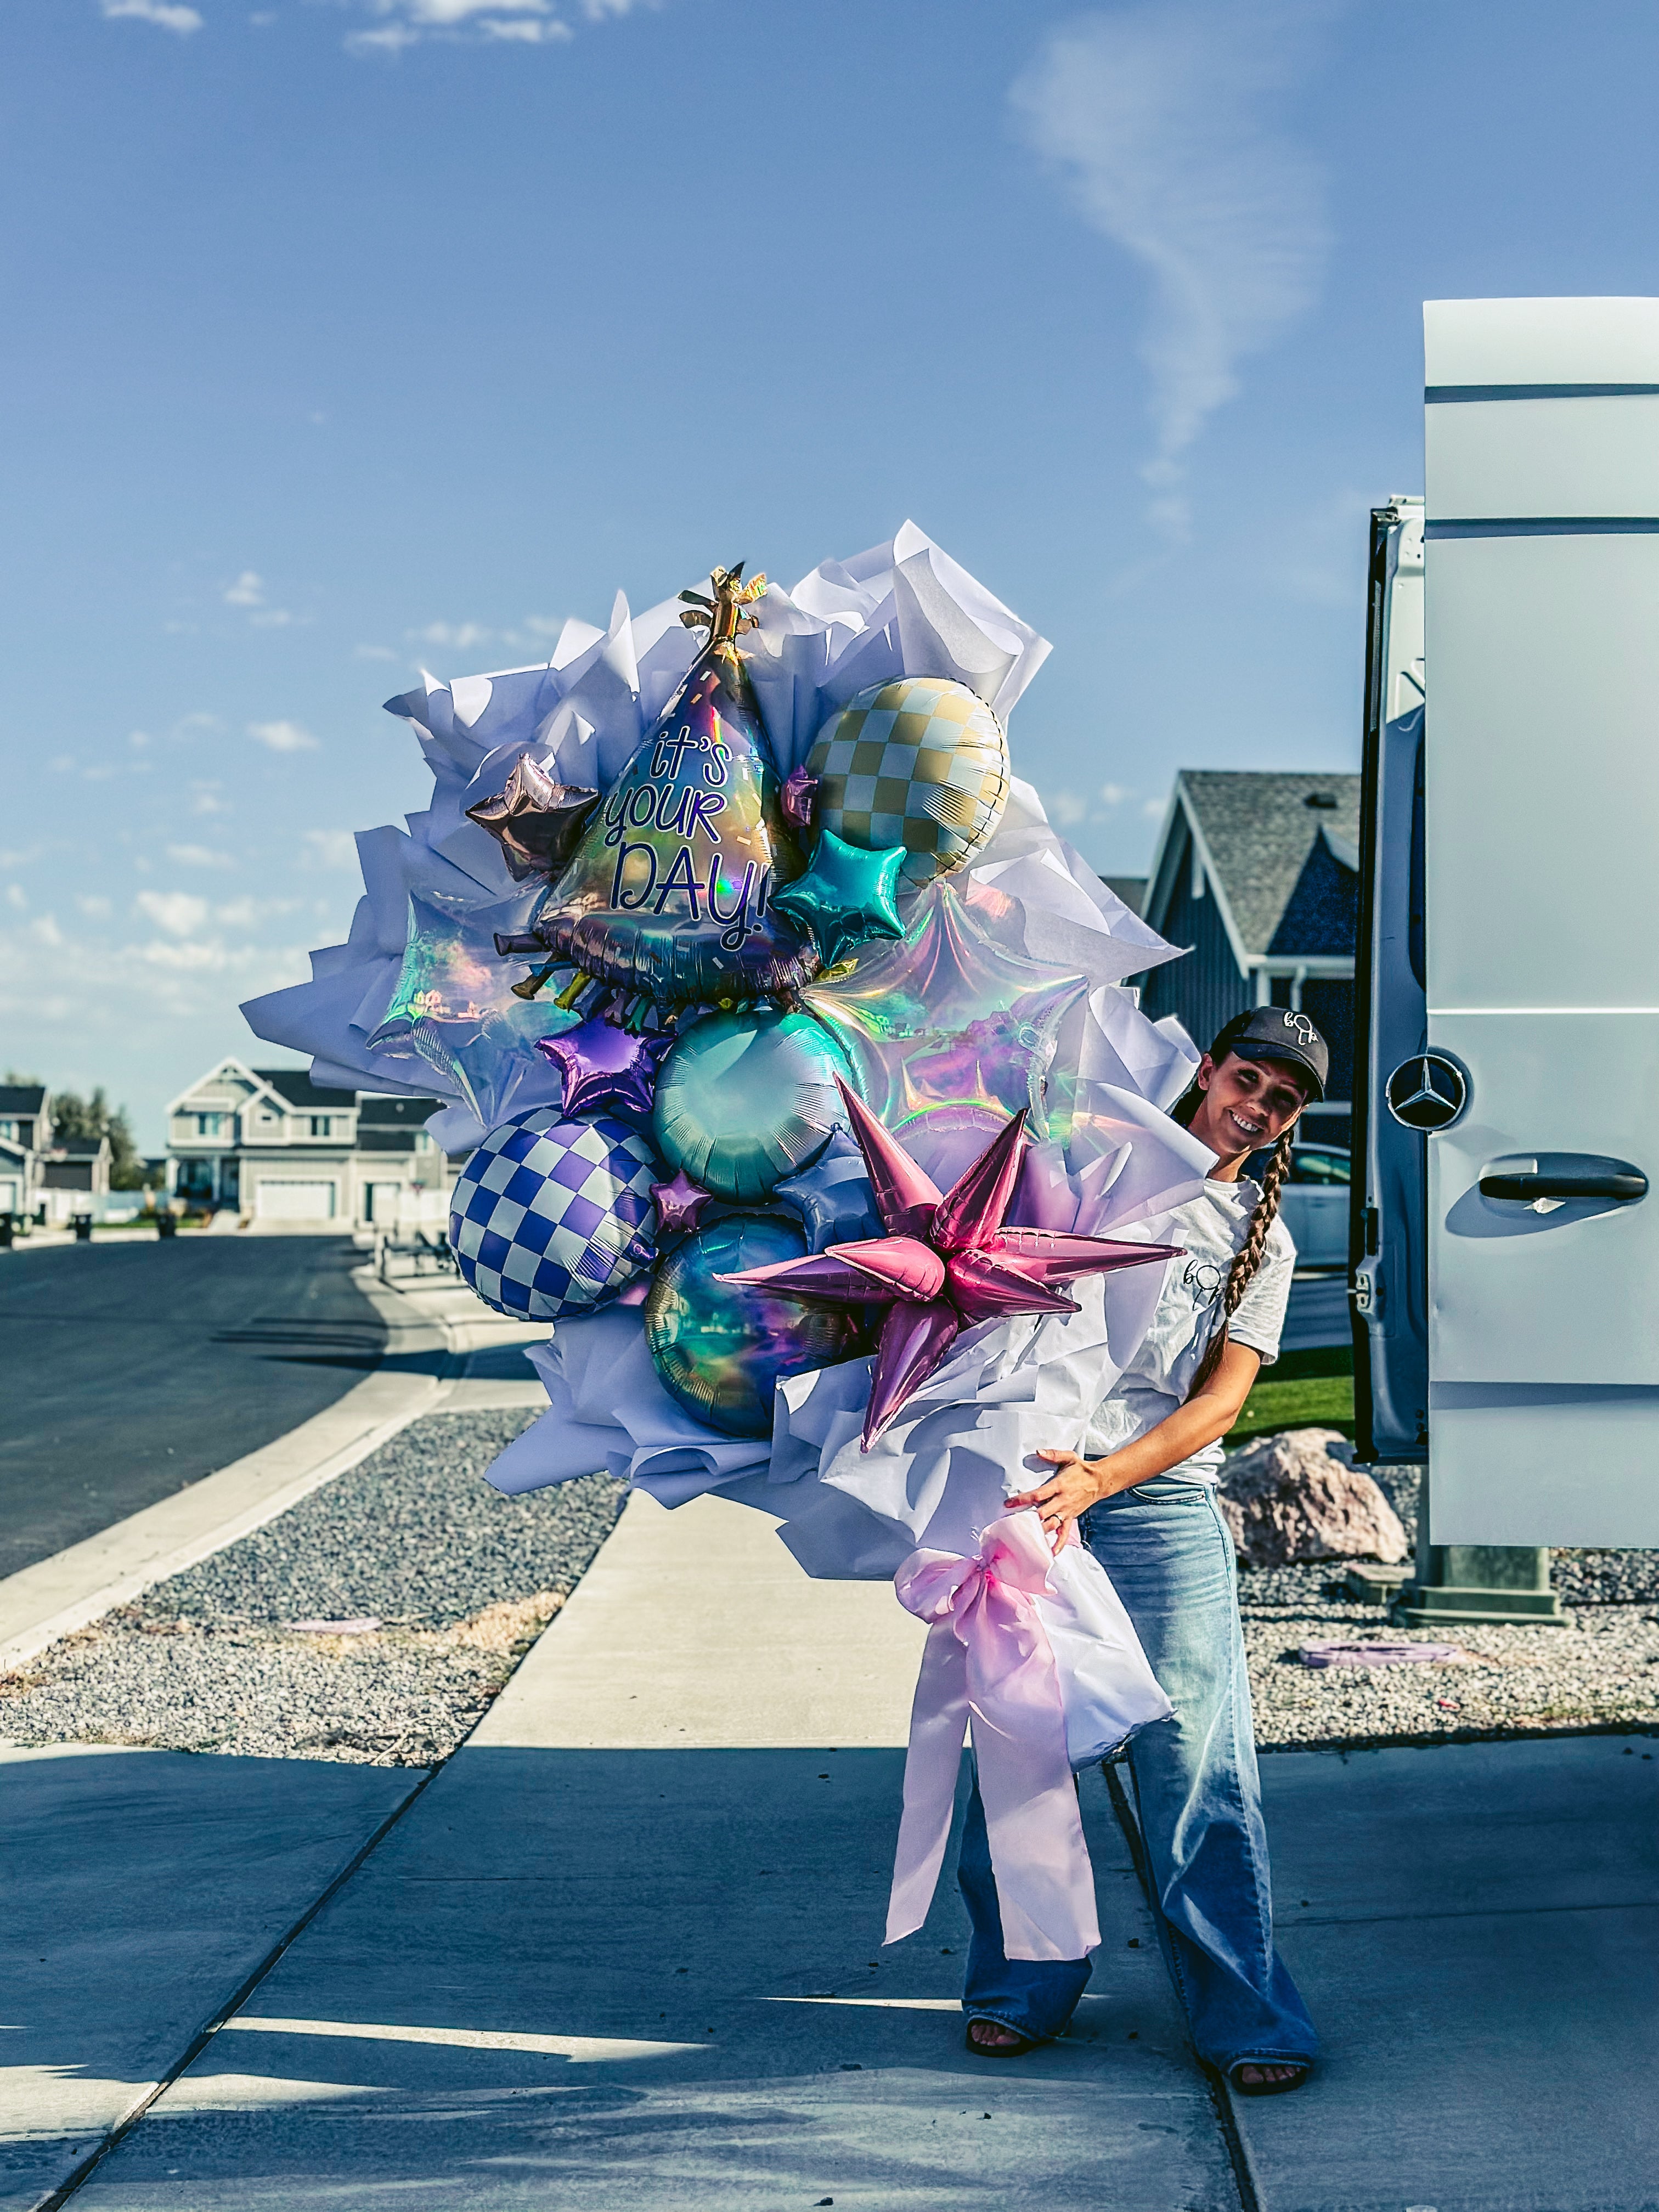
{"x":270,"y":1143}
{"x":73,"y":1174}
{"x":1257,"y":873}
{"x":25,"y":1139}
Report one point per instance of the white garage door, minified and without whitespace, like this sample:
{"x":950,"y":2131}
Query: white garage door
{"x":295,"y":1201}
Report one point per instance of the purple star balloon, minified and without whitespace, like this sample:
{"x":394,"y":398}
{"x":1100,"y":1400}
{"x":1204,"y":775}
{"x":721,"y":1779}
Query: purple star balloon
{"x":680,"y":1203}
{"x":606,"y":1069}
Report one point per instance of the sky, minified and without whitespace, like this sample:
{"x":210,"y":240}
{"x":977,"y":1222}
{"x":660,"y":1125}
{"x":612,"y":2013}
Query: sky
{"x":347,"y":337}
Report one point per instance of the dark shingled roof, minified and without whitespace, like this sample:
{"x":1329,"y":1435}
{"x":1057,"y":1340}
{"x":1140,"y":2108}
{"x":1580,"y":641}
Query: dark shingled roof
{"x":297,"y":1087}
{"x":21,"y":1097}
{"x":1132,"y":890}
{"x":1261,"y":829}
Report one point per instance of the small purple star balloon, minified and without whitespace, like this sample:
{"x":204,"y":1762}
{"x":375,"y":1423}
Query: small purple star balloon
{"x":605,"y":1069}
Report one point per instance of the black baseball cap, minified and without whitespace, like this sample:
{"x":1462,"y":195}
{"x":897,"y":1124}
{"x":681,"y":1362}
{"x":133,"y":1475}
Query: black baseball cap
{"x":1278,"y":1033}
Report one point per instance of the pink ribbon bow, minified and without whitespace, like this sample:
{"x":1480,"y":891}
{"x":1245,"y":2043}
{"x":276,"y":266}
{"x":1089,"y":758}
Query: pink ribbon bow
{"x":988,"y":1660}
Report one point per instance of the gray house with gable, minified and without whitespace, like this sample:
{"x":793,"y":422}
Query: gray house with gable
{"x":1257,"y":873}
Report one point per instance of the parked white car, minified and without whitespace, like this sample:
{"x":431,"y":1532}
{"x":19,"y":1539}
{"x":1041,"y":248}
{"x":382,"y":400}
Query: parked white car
{"x":1315,"y":1205}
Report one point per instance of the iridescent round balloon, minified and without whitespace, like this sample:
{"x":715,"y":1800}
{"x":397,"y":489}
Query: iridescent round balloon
{"x":721,"y":1346}
{"x":746,"y":1098}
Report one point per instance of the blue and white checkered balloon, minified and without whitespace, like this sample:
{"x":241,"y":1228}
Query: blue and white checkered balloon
{"x":554,"y":1217}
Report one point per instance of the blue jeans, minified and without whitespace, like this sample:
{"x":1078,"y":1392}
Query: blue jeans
{"x":1167,"y":1550}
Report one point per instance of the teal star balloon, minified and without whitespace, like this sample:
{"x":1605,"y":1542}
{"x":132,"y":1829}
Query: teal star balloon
{"x":846,"y":895}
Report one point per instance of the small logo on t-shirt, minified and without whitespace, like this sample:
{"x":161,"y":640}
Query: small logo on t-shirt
{"x":1204,"y":1278}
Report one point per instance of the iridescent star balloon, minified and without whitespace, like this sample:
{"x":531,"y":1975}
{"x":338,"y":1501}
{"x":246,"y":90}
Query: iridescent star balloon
{"x":454,"y":1009}
{"x":948,"y":1034}
{"x":945,"y":1264}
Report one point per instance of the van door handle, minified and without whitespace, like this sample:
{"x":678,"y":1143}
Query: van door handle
{"x":1563,"y":1175}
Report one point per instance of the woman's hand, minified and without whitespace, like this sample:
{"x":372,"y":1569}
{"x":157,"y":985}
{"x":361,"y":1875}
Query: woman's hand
{"x":1071,"y":1489}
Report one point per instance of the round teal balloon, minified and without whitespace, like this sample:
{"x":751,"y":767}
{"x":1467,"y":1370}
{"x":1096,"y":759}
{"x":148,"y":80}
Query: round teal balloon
{"x":721,"y":1346}
{"x":746,"y":1098}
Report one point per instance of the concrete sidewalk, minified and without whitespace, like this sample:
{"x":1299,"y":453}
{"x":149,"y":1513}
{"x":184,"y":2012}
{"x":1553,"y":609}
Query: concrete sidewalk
{"x":624,"y":1951}
{"x":1476,"y":1928}
{"x":622,"y":1954}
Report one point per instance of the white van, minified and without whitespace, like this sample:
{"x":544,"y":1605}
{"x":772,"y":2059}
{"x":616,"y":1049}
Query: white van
{"x":1504,"y":1244}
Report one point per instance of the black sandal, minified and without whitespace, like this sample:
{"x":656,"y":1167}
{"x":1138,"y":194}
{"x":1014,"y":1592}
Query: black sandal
{"x":1301,"y":2068}
{"x":1017,"y":2049}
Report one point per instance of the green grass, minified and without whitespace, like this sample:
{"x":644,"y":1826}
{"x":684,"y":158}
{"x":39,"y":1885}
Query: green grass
{"x":1300,"y":1390}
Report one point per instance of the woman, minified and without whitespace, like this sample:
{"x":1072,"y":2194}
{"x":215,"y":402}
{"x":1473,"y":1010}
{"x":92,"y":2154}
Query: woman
{"x":1142,"y":1496}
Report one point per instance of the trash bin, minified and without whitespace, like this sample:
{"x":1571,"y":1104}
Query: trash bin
{"x":6,"y":1232}
{"x":83,"y":1229}
{"x":166,"y":1225}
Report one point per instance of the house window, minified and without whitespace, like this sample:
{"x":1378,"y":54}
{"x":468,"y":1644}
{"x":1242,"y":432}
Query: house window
{"x":8,"y":1130}
{"x":321,"y":1124}
{"x":212,"y":1125}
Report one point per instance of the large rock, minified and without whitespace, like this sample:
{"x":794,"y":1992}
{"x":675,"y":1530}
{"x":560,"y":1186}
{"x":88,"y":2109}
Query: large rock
{"x":1291,"y":1498}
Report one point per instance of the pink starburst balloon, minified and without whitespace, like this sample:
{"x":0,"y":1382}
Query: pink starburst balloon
{"x":946,"y":1262}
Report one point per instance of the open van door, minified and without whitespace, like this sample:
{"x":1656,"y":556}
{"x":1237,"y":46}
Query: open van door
{"x":1541,"y":847}
{"x":1389,"y":1224}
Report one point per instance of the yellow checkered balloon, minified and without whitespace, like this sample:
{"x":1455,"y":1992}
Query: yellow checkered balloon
{"x":920,"y":761}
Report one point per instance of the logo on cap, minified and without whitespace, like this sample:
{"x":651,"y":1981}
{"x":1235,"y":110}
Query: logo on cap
{"x":1300,"y":1026}
{"x":1427,"y":1092}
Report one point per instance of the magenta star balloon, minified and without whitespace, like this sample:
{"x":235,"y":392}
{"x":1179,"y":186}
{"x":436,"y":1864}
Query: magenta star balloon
{"x":946,"y":1263}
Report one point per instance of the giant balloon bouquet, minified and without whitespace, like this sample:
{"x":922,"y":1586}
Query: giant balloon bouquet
{"x":789,"y":1040}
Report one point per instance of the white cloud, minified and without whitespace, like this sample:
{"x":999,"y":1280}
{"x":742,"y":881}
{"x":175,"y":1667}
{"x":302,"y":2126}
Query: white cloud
{"x":248,"y":591}
{"x":179,"y":913}
{"x":282,"y":737}
{"x":1065,"y":808}
{"x":1154,"y":809}
{"x":525,"y":31}
{"x":271,"y":618}
{"x":167,"y":15}
{"x":205,"y":799}
{"x":199,"y":856}
{"x":401,"y":23}
{"x":458,"y":637}
{"x":94,"y":907}
{"x":45,"y":931}
{"x":1113,"y":794}
{"x":1161,"y":119}
{"x":374,"y":652}
{"x":329,"y":848}
{"x":17,"y":897}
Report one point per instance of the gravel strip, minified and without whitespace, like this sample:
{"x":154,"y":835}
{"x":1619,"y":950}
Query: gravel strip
{"x":1601,"y":1671}
{"x":461,"y":1579}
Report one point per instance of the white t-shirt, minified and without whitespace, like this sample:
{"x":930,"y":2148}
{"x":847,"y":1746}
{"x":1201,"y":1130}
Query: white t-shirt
{"x":1210,"y":1230}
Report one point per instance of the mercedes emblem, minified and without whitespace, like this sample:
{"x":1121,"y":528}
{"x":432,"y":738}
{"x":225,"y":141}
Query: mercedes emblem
{"x":1428,"y":1091}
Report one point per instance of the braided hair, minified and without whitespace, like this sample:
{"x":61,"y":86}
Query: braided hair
{"x":1247,"y":1259}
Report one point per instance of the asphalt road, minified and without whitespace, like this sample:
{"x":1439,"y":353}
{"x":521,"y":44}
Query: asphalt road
{"x":128,"y":1371}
